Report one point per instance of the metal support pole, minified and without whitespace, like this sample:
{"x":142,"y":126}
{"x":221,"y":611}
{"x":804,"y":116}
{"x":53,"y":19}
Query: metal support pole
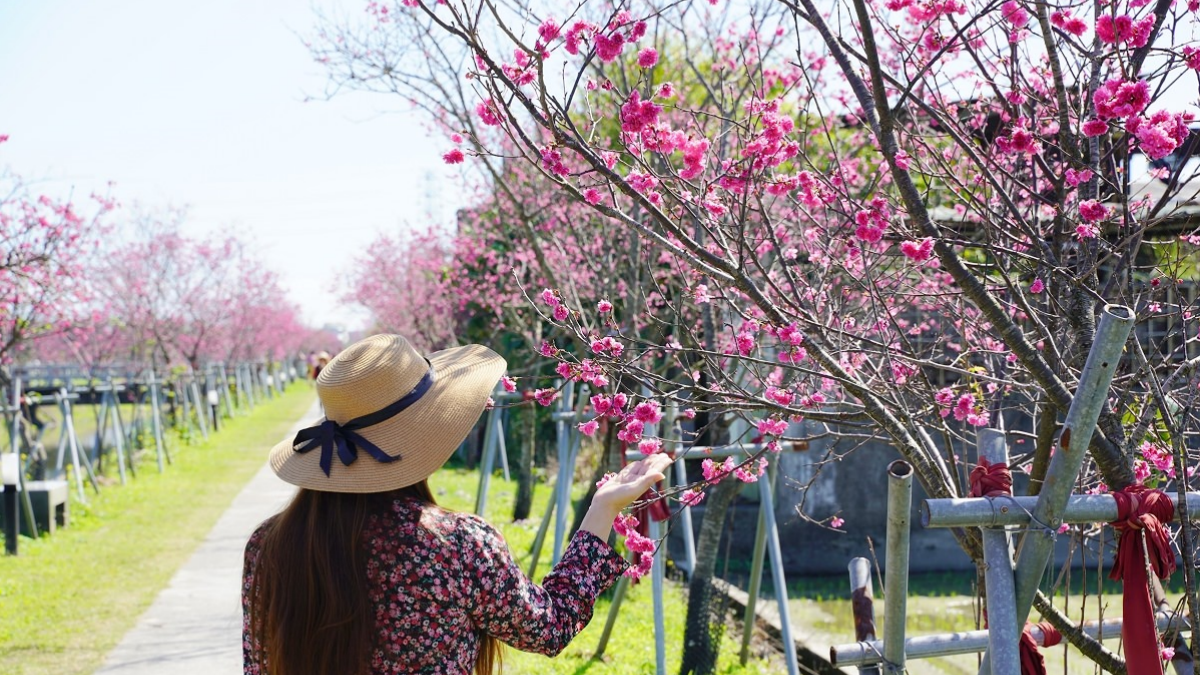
{"x":999,"y":511}
{"x":895,"y":592}
{"x":199,"y":406}
{"x":489,"y":452}
{"x":248,"y":385}
{"x":160,"y":445}
{"x":184,"y":420}
{"x":566,"y":409}
{"x":862,"y":604}
{"x":674,"y":436}
{"x":79,"y":461}
{"x":503,"y":451}
{"x":767,"y":506}
{"x":656,"y":583}
{"x":1004,"y":634}
{"x":685,"y":520}
{"x":1038,"y":544}
{"x":114,"y":413}
{"x":756,"y":568}
{"x":539,"y":539}
{"x":26,"y":505}
{"x":223,"y":387}
{"x":967,"y":642}
{"x":107,"y":400}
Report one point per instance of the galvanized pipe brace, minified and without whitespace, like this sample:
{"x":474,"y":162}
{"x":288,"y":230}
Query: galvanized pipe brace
{"x":862,"y":605}
{"x":895,"y":591}
{"x":1090,"y":397}
{"x":1004,"y":636}
{"x":1001,"y":511}
{"x":869,"y":652}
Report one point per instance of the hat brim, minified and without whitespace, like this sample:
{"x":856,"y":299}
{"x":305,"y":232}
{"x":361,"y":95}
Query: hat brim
{"x":423,"y":436}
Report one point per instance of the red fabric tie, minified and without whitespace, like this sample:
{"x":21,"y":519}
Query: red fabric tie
{"x":1032,"y":662}
{"x":991,"y":480}
{"x":1141,"y":511}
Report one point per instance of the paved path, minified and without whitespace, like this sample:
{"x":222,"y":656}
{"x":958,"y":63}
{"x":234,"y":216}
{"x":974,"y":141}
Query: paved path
{"x":194,"y":626}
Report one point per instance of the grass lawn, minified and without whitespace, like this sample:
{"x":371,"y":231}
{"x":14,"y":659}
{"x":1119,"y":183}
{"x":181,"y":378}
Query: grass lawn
{"x":66,"y":600}
{"x":631,"y":647}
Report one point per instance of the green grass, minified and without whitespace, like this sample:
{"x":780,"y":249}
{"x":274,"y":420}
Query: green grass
{"x":631,"y":647}
{"x":66,"y":600}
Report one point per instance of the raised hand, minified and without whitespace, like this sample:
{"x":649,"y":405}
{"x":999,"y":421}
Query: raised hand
{"x":632,"y":482}
{"x":621,"y":490}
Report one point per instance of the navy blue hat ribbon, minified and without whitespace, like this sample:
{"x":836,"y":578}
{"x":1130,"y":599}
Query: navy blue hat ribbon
{"x":330,"y":435}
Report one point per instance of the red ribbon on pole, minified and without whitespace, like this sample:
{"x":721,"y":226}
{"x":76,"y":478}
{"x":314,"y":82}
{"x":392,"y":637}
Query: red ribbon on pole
{"x":991,"y":480}
{"x":1032,"y":662}
{"x":1141,"y":512}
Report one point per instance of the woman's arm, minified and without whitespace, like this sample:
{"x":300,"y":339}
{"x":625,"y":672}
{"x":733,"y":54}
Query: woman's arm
{"x":544,"y":619}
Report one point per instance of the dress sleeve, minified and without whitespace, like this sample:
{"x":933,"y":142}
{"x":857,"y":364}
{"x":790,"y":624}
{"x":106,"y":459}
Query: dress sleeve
{"x":532,"y":618}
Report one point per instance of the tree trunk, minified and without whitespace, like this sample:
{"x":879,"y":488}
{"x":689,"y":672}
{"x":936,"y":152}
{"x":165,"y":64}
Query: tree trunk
{"x":701,"y":639}
{"x":524,"y":502}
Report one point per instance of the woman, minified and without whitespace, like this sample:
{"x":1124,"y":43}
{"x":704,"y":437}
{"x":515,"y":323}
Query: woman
{"x":362,"y":573}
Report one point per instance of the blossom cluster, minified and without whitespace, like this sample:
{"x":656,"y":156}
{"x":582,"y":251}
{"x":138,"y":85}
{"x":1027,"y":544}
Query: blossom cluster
{"x":640,"y":545}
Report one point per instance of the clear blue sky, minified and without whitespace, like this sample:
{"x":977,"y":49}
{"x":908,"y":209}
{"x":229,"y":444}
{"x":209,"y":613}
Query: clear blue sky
{"x":202,"y":104}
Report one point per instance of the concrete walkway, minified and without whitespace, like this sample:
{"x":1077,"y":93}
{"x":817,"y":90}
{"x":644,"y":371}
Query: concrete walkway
{"x":194,"y":626}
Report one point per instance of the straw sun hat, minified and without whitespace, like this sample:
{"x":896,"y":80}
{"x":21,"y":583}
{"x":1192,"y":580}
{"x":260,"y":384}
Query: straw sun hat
{"x":393,"y":417}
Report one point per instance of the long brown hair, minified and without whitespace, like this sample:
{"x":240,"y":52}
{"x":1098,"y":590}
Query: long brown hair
{"x":309,"y":609}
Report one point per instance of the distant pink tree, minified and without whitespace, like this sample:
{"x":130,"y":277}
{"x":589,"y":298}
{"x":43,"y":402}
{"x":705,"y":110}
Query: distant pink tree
{"x":44,"y":243}
{"x":179,"y":298}
{"x":402,"y":282}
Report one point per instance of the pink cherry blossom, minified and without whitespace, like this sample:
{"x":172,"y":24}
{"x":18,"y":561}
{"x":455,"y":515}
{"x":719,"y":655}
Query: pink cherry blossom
{"x":751,"y":474}
{"x":919,"y":251}
{"x":772,"y":427}
{"x":1092,"y":211}
{"x":647,"y":412}
{"x":1121,"y":98}
{"x":1159,"y":134}
{"x":1093,"y":128}
{"x":713,"y":472}
{"x":1074,"y":178}
{"x":649,"y":446}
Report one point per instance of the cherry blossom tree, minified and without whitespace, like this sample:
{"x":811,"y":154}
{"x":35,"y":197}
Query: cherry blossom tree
{"x":402,"y":283}
{"x":158,"y":296}
{"x":44,"y":242}
{"x":899,"y":219}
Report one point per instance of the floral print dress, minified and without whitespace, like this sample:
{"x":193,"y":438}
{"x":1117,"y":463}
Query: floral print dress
{"x":440,"y":579}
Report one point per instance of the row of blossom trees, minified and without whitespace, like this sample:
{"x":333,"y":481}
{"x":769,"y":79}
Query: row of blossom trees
{"x":96,"y":284}
{"x":898,"y":218}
